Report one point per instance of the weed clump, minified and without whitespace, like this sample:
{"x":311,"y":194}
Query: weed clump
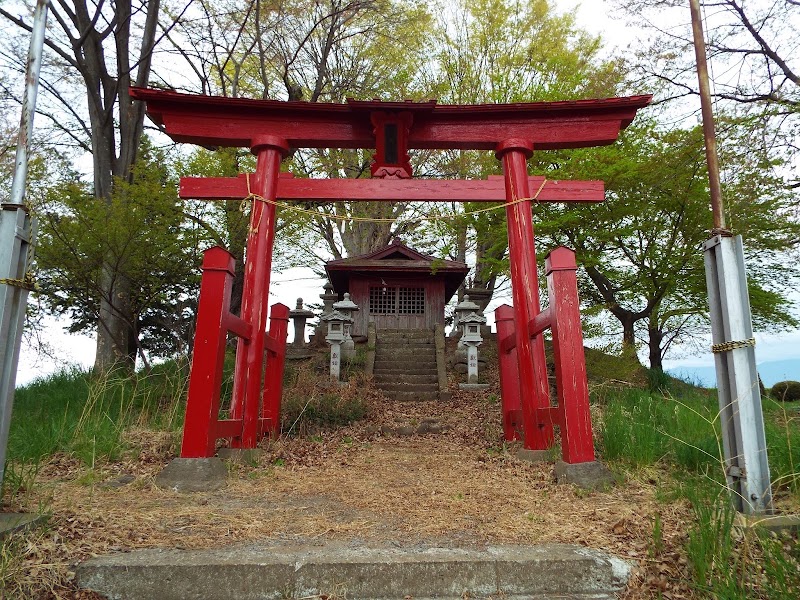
{"x":312,"y":403}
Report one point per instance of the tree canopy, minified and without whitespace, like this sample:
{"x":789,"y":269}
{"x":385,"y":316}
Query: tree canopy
{"x":119,"y":251}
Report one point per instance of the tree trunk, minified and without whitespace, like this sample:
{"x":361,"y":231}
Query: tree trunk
{"x":654,"y":340}
{"x":116,"y":331}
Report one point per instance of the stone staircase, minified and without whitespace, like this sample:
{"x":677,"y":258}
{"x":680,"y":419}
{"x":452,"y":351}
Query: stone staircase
{"x":405,"y":364}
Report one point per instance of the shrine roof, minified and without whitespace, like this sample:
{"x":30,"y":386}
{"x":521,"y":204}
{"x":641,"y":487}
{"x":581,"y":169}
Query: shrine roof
{"x":235,"y":121}
{"x":397,"y":259}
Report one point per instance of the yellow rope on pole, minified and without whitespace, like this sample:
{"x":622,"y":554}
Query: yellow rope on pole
{"x":253,"y":196}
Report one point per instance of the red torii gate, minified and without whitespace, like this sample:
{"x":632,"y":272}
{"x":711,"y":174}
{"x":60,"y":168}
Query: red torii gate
{"x":272,"y":128}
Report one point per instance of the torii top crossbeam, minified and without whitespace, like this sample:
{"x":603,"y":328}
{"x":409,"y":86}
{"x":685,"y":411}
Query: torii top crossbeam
{"x":218,"y":121}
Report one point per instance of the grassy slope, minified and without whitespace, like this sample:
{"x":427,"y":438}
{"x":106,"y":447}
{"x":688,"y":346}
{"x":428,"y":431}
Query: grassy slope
{"x":672,"y":430}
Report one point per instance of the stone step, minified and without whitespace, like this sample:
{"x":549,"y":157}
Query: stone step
{"x":412,"y":396}
{"x":415,"y":388}
{"x":406,"y":344}
{"x":406,"y":352}
{"x":554,"y":571}
{"x":412,"y":367}
{"x":404,"y":333}
{"x":382,"y":378}
{"x":393,"y":339}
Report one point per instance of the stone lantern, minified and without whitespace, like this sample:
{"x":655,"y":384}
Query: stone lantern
{"x":336,"y":336}
{"x":328,"y":298}
{"x":347,"y":307}
{"x":471,"y":338}
{"x":464,"y":308}
{"x":299,"y":317}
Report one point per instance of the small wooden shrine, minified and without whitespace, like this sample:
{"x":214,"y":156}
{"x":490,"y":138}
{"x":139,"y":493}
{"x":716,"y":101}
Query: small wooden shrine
{"x":396,"y":287}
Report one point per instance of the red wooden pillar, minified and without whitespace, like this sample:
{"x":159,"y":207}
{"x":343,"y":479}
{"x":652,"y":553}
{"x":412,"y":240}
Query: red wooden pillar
{"x":205,"y":379}
{"x":258,"y":265}
{"x":509,"y":374}
{"x":577,"y":444}
{"x":514,"y":154}
{"x":276,"y":357}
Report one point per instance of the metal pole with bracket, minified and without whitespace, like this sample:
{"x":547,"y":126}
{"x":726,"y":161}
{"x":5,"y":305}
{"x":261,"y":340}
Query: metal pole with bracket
{"x":741,"y":418}
{"x":17,"y":236}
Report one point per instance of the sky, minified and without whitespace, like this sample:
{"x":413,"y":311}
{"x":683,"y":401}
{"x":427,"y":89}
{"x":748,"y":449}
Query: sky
{"x":596,"y":16}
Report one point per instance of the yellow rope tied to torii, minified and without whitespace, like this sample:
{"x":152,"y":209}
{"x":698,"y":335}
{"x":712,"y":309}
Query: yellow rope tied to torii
{"x":251,"y":196}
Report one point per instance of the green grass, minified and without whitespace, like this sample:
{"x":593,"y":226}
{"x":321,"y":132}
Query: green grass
{"x":644,"y":428}
{"x":83,"y":414}
{"x":681,"y":433}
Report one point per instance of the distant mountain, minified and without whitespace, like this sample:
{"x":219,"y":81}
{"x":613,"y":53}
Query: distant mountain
{"x":771,"y":373}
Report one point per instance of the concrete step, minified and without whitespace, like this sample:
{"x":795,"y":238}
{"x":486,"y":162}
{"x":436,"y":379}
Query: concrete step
{"x":353,"y":571}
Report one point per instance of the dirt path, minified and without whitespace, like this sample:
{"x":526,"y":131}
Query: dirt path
{"x":454,"y":488}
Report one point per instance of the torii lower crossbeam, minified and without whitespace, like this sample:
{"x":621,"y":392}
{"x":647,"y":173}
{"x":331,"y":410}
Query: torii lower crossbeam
{"x":492,"y":189}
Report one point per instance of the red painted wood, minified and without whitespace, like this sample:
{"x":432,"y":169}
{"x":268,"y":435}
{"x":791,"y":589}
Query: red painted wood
{"x":270,"y":128}
{"x":235,"y":325}
{"x":200,"y":428}
{"x":400,"y":167}
{"x":535,"y":327}
{"x":273,"y":379}
{"x":525,"y":292}
{"x":540,"y":322}
{"x":228,"y":428}
{"x":393,"y":190}
{"x":212,"y":120}
{"x":509,"y":375}
{"x":577,"y":443}
{"x":258,"y":265}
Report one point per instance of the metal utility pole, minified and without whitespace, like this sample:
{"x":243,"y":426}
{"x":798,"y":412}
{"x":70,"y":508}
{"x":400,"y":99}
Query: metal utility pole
{"x":17,"y":236}
{"x":741,"y":418}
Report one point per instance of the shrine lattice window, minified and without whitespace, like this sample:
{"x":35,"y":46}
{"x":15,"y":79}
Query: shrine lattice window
{"x":382,"y":300}
{"x":411,"y":301}
{"x":396,"y":301}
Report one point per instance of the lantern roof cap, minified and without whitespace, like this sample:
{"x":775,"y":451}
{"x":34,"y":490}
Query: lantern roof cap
{"x":345,"y":305}
{"x":299,"y":311}
{"x":467,"y":305}
{"x":335,"y":315}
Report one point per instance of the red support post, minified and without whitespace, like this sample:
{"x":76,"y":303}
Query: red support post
{"x":514,"y":154}
{"x":273,"y":380}
{"x":509,"y":375}
{"x":258,"y":265}
{"x":205,"y":379}
{"x":575,"y":421}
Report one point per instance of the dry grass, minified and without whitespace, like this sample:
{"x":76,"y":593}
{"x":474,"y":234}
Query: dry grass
{"x":462,"y":487}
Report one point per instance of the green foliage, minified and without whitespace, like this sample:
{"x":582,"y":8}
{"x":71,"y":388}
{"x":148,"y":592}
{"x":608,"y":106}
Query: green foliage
{"x":728,"y":562}
{"x":643,"y":429}
{"x":641,"y":249}
{"x":143,"y":233}
{"x":786,"y":391}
